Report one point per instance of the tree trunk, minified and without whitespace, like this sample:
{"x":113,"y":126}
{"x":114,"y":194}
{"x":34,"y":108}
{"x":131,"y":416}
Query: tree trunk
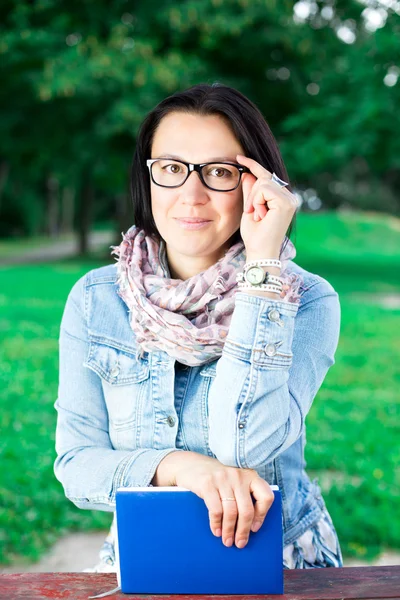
{"x":392,"y":180}
{"x":67,"y":209}
{"x":85,"y":211}
{"x":4,"y":171}
{"x":124,"y":215}
{"x":52,"y":207}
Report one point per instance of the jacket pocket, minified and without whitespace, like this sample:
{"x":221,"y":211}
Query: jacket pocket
{"x":116,"y":366}
{"x":125,"y":383}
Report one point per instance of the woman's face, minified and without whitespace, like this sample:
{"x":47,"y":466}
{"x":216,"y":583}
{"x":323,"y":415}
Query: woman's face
{"x":195,"y":139}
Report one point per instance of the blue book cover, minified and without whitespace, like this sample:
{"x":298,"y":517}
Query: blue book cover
{"x":165,"y":546}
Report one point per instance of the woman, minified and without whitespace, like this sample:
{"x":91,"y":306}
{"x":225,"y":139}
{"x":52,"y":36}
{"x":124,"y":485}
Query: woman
{"x":185,"y":365}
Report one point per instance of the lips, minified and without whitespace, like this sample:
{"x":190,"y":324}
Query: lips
{"x":194,"y":220}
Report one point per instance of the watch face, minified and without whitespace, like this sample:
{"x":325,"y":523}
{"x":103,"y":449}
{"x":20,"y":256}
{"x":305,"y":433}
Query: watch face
{"x":255,"y":275}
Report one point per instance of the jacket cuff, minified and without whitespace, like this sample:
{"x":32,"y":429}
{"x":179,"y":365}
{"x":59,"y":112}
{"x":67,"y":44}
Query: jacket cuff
{"x":138,"y":469}
{"x":261,"y":331}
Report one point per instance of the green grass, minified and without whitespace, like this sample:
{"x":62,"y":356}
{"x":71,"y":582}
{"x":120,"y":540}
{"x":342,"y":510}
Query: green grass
{"x":353,"y":428}
{"x":33,"y":511}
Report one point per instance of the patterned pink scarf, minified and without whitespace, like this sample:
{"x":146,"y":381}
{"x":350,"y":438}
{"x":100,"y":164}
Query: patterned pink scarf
{"x":187,"y":319}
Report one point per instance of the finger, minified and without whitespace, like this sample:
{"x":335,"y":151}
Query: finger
{"x":265,"y":196}
{"x":260,"y":202}
{"x":255,"y":167}
{"x":260,"y":209}
{"x":246,"y":516}
{"x":212,"y":500}
{"x":229,"y":517}
{"x":259,"y":198}
{"x":264,"y":498}
{"x":248,"y":182}
{"x":278,"y":191}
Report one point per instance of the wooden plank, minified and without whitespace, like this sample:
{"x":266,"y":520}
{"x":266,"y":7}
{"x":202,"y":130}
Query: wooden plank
{"x":348,"y":583}
{"x":365,"y":583}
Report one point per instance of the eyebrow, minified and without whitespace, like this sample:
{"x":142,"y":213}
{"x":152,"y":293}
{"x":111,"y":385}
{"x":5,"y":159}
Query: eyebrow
{"x":215,"y":159}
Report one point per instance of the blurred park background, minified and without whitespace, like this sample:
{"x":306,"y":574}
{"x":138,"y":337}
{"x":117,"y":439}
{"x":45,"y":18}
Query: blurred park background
{"x":77,"y":80}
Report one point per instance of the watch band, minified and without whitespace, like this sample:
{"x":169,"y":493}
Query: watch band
{"x":265,"y":262}
{"x":261,"y":288}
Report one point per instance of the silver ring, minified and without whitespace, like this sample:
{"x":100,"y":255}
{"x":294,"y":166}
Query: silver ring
{"x":228,"y":499}
{"x":278,"y":181}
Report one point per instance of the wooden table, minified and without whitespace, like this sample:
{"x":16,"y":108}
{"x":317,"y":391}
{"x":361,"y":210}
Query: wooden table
{"x":301,"y":584}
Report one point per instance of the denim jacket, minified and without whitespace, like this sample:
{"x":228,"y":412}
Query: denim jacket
{"x":121,"y":411}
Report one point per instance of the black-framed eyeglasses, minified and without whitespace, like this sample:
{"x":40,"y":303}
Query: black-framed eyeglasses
{"x":217,"y":176}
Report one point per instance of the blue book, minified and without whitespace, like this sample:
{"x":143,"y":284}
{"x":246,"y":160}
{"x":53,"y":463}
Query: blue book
{"x":165,"y":546}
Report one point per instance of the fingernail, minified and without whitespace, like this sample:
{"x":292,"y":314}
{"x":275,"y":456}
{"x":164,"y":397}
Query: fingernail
{"x":255,"y":527}
{"x":218,"y":532}
{"x":241,"y":543}
{"x":229,"y":542}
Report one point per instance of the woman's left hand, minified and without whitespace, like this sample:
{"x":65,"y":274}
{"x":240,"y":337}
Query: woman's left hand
{"x":268,"y":211}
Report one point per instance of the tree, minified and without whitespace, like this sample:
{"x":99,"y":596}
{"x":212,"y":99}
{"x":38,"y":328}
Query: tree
{"x":79,"y":77}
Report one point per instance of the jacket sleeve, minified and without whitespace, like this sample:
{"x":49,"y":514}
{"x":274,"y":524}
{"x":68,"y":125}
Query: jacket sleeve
{"x":274,"y":361}
{"x":87,"y":465}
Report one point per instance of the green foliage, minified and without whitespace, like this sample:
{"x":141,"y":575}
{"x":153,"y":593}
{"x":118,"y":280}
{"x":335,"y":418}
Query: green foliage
{"x":352,"y":429}
{"x":78,"y":79}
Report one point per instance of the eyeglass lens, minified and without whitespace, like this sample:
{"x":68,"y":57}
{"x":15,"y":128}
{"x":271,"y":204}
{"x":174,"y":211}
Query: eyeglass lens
{"x":216,"y":175}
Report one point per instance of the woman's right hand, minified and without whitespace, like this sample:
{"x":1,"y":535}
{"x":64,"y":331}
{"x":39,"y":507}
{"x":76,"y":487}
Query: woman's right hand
{"x":211,"y":480}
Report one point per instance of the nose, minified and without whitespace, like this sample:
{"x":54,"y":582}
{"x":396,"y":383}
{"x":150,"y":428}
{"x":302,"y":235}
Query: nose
{"x":193,"y":189}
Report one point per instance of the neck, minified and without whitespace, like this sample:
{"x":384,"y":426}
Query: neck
{"x":185,"y":269}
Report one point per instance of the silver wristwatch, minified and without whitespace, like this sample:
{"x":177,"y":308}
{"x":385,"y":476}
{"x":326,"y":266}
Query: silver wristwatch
{"x":255,"y":276}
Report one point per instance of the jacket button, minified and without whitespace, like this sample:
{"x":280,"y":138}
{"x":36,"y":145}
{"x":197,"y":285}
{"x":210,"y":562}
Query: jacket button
{"x":274,"y":315}
{"x":171,"y":421}
{"x":270,"y":349}
{"x":242,"y":424}
{"x":115,"y":371}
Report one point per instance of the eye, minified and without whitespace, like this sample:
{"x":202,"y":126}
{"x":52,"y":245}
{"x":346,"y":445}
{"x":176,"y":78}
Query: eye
{"x":219,"y":172}
{"x":175,"y":168}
